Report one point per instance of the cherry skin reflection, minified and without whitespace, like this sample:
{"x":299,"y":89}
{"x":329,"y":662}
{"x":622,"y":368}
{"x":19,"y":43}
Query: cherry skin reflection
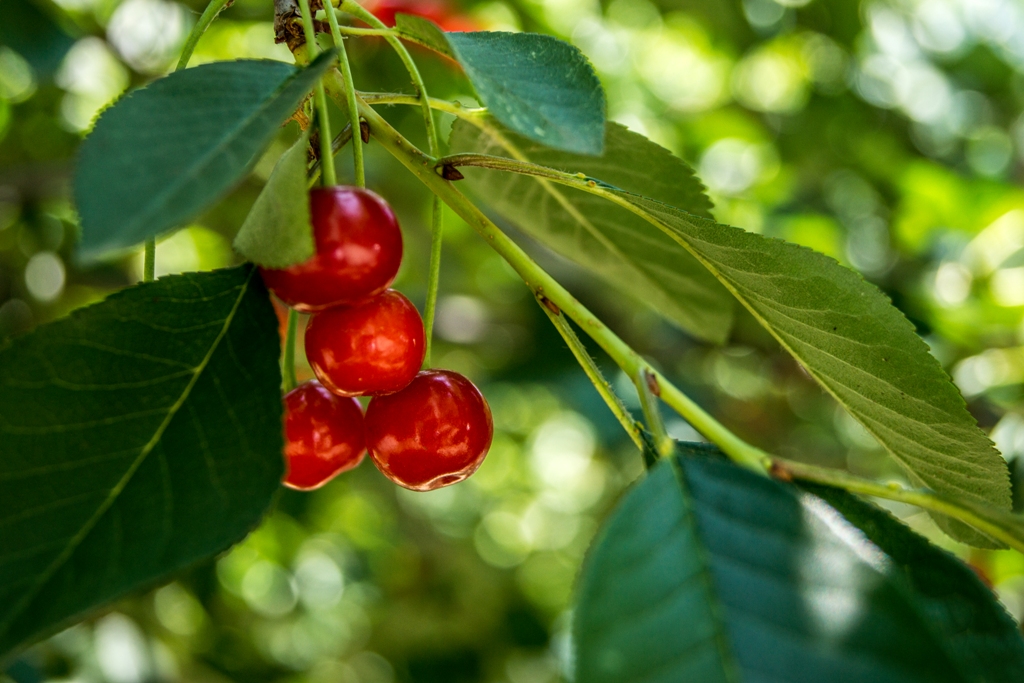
{"x":370,"y":349}
{"x":434,"y":433}
{"x":324,"y":435}
{"x":358,"y":252}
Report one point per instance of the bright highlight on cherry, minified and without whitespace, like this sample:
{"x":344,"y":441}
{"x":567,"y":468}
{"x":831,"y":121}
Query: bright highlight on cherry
{"x":425,"y":429}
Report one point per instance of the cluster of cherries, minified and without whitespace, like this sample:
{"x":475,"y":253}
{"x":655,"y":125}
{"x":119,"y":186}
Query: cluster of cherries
{"x":423,"y":430}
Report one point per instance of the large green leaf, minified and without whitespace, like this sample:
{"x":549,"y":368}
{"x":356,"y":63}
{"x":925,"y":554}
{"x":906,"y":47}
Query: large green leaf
{"x":166,"y":152}
{"x":137,"y":437}
{"x":539,"y":86}
{"x":708,"y":572}
{"x":857,"y":345}
{"x":977,"y":629}
{"x":847,"y":335}
{"x":278,"y":232}
{"x":620,"y":247}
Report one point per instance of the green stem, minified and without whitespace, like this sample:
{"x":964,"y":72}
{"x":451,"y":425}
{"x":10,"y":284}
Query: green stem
{"x":995,"y":523}
{"x":149,"y":264}
{"x":579,"y":351}
{"x":648,"y":388}
{"x":422,"y":98}
{"x":288,"y":362}
{"x":340,"y":140}
{"x":447,"y":106}
{"x":542,"y":284}
{"x":350,"y":99}
{"x":433,"y":144}
{"x":212,"y":10}
{"x":353,"y":31}
{"x":326,"y":153}
{"x":434,"y":274}
{"x":1000,"y":525}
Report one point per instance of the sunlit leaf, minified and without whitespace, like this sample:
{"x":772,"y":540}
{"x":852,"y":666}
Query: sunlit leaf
{"x":624,"y":249}
{"x":849,"y":337}
{"x":857,"y":345}
{"x":278,"y":232}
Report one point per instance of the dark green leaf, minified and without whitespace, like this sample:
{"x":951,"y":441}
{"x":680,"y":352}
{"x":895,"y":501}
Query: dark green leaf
{"x":708,"y":572}
{"x":139,"y":436}
{"x":536,"y":85}
{"x":977,"y":629}
{"x":166,"y":152}
{"x":278,"y":232}
{"x":857,"y":345}
{"x":620,"y":247}
{"x":33,"y":34}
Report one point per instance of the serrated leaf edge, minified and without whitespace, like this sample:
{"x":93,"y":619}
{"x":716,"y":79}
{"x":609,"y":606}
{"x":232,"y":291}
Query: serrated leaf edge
{"x":115,"y":492}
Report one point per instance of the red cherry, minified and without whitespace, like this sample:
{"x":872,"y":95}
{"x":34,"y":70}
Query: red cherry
{"x":358,"y":251}
{"x":433,"y":433}
{"x":373,"y":348}
{"x":324,"y":435}
{"x":441,"y":12}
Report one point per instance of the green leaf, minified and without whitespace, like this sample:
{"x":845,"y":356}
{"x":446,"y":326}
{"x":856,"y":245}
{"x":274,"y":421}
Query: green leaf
{"x":860,"y":348}
{"x":423,"y":32}
{"x":278,"y":232}
{"x":166,"y":152}
{"x":622,"y":248}
{"x":536,"y":85}
{"x":139,"y":436}
{"x":976,"y":627}
{"x":708,"y":572}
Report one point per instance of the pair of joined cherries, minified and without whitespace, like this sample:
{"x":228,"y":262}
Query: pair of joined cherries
{"x":423,"y":430}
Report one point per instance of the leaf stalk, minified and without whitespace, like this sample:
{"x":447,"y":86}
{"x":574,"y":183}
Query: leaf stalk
{"x":328,"y":175}
{"x":350,"y":99}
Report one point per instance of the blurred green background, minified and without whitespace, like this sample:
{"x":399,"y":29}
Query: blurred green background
{"x":886,"y":134}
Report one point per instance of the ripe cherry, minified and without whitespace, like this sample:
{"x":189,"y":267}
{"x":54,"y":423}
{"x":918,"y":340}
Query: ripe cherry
{"x":441,"y":12}
{"x":433,"y":433}
{"x":358,"y":251}
{"x":373,"y":348}
{"x":324,"y":435}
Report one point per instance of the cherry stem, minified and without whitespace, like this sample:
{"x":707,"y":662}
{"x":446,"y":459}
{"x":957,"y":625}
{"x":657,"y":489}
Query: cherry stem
{"x":583,"y":357}
{"x":433,"y":145}
{"x":358,"y":11}
{"x":340,"y":140}
{"x":209,"y":14}
{"x":327,"y":172}
{"x":288,"y":362}
{"x":434,"y":275}
{"x":647,"y":384}
{"x":212,"y":10}
{"x":350,"y":99}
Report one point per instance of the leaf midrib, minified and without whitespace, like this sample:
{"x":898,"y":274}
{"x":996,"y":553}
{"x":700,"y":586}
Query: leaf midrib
{"x":115,"y":492}
{"x":622,"y":199}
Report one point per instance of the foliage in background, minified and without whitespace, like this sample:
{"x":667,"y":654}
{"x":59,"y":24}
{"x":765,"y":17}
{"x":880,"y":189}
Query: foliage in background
{"x":885,"y":134}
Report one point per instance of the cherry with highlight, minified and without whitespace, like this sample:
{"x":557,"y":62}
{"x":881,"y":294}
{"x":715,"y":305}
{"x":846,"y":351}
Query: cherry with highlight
{"x":324,"y":435}
{"x":374,"y":348}
{"x":434,"y":433}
